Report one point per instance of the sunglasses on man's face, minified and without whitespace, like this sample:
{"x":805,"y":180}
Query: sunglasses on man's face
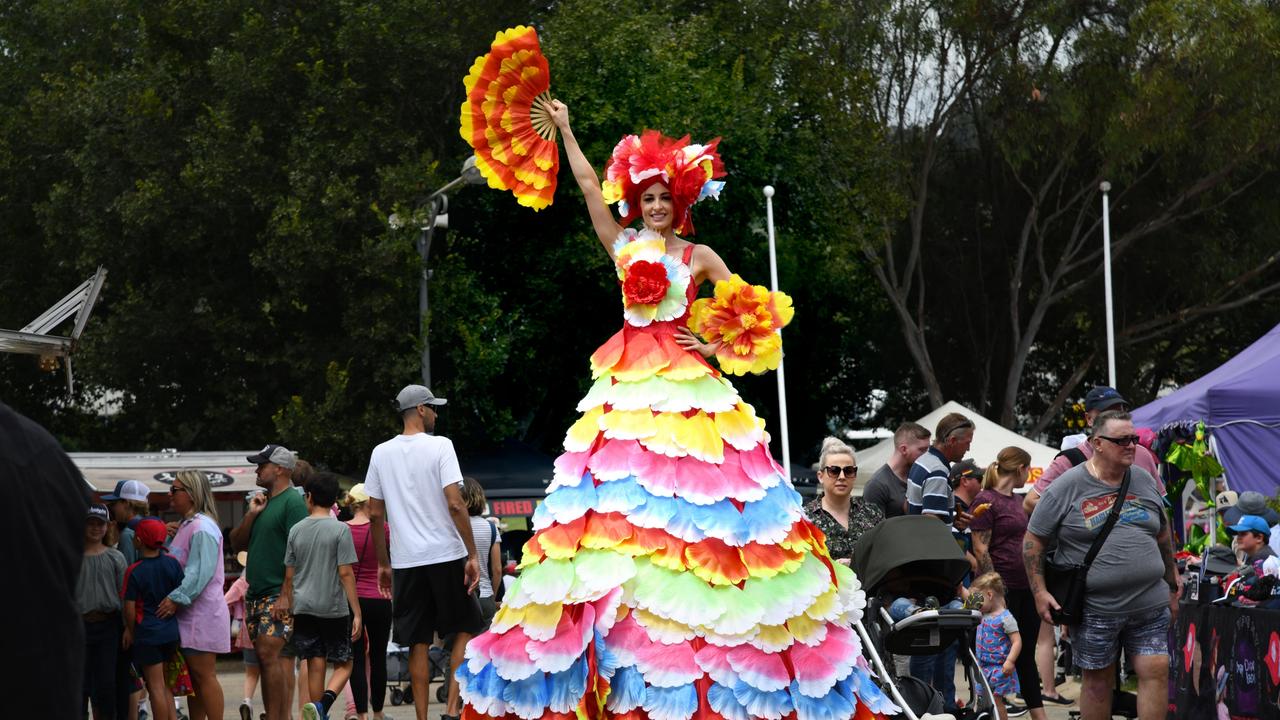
{"x":834,"y":470}
{"x":1125,"y":441}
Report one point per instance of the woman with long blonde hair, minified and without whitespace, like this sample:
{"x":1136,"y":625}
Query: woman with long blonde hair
{"x":198,"y":602}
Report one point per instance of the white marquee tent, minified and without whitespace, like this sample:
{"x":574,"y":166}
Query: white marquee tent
{"x":989,"y":438}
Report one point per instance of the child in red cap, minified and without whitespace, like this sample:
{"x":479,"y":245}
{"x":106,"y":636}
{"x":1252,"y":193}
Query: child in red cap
{"x":153,"y":640}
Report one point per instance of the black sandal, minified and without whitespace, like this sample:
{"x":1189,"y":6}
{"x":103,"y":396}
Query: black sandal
{"x":1057,"y":699}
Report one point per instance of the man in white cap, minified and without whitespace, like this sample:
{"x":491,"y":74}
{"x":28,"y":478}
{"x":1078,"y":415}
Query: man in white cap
{"x":414,"y":482}
{"x":265,"y":533}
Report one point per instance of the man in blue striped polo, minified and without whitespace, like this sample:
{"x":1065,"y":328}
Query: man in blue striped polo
{"x":928,"y":480}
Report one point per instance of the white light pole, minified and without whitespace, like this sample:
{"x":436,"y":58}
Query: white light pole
{"x":782,"y":377}
{"x":1105,"y":187}
{"x":437,"y":204}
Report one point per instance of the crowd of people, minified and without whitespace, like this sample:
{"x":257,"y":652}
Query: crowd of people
{"x":321,"y":596}
{"x":318,"y":596}
{"x":1003,"y":530}
{"x":414,"y":558}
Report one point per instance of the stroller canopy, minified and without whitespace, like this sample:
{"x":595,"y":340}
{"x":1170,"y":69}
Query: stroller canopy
{"x":911,"y":550}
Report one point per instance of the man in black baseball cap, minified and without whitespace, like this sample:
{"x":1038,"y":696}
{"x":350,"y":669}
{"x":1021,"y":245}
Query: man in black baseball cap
{"x":1076,"y":448}
{"x":1102,"y":398}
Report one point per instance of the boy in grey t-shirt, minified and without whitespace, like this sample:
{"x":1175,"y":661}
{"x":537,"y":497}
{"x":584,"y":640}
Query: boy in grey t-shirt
{"x":320,"y":589}
{"x":1127,"y":576}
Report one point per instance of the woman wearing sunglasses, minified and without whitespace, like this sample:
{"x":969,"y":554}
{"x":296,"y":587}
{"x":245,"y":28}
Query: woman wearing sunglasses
{"x":199,"y":603}
{"x":840,"y":516}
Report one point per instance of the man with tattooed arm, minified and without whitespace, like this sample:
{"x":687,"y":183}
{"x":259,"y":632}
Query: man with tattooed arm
{"x":1132,"y":586}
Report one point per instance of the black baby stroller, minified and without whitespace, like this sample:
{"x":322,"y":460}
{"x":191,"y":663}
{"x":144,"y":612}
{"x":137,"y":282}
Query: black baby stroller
{"x":916,"y":556}
{"x":398,"y":672}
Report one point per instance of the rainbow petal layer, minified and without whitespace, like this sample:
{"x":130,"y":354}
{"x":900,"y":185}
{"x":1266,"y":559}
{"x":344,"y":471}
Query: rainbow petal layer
{"x":672,"y":573}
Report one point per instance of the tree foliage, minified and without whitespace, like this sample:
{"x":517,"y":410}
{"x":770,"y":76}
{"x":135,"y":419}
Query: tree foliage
{"x":234,"y":166}
{"x":1006,"y":122}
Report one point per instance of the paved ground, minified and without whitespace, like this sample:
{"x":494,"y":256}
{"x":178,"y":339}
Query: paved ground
{"x":230,"y":672}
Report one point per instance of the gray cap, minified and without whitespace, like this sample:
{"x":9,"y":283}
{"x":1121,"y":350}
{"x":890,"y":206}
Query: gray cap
{"x":414,"y":395}
{"x":1251,"y":502}
{"x":277,"y":454}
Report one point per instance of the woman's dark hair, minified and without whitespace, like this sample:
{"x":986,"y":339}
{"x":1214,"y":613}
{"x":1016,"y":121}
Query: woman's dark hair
{"x":302,"y":472}
{"x":323,"y":489}
{"x":473,"y":496}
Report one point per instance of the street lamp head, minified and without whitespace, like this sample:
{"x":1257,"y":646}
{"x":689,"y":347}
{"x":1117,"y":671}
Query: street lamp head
{"x":768,"y":191}
{"x":470,"y":173}
{"x":1104,"y":186}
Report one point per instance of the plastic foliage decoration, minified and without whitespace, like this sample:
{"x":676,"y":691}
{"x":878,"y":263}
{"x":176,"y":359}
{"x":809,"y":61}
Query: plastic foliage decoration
{"x":506,"y":118}
{"x":745,"y":320}
{"x":1195,"y":459}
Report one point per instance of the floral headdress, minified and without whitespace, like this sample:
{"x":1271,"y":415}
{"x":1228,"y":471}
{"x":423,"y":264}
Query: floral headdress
{"x":688,"y":171}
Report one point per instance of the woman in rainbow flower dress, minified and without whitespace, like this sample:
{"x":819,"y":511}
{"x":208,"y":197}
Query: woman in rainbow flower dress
{"x":672,"y":574}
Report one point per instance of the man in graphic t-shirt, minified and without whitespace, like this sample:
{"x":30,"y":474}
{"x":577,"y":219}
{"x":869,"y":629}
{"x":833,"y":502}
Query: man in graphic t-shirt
{"x":414,"y":482}
{"x":1077,"y":448}
{"x":1132,"y":586}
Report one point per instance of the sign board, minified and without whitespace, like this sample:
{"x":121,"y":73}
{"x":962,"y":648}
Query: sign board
{"x":216,"y":479}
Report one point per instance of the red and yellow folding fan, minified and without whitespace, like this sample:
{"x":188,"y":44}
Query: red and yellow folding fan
{"x":506,"y":120}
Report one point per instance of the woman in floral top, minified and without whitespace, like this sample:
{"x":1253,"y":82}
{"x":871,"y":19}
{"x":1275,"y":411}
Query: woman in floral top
{"x":840,"y":516}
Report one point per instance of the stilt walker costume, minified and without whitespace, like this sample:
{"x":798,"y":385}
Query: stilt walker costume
{"x":673,"y":574}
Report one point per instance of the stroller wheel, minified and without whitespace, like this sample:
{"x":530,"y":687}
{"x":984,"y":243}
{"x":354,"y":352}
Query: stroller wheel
{"x":408,"y":696}
{"x":442,"y":692}
{"x":396,"y":696}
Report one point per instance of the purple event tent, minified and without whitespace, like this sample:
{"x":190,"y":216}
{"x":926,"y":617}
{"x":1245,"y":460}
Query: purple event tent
{"x":1240,"y":403}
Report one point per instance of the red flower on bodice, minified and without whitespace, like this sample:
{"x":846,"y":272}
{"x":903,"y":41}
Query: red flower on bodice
{"x":646,"y":282}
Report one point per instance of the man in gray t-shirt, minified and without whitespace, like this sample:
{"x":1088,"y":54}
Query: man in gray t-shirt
{"x":887,"y":491}
{"x":1131,"y":591}
{"x":887,"y":488}
{"x":1127,"y":576}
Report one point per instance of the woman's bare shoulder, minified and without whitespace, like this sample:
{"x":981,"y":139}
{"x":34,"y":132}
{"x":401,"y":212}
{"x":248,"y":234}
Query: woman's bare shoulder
{"x":707,"y":264}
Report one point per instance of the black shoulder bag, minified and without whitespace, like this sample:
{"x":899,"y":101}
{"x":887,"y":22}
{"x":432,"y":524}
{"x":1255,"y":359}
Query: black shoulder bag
{"x":1066,"y":583}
